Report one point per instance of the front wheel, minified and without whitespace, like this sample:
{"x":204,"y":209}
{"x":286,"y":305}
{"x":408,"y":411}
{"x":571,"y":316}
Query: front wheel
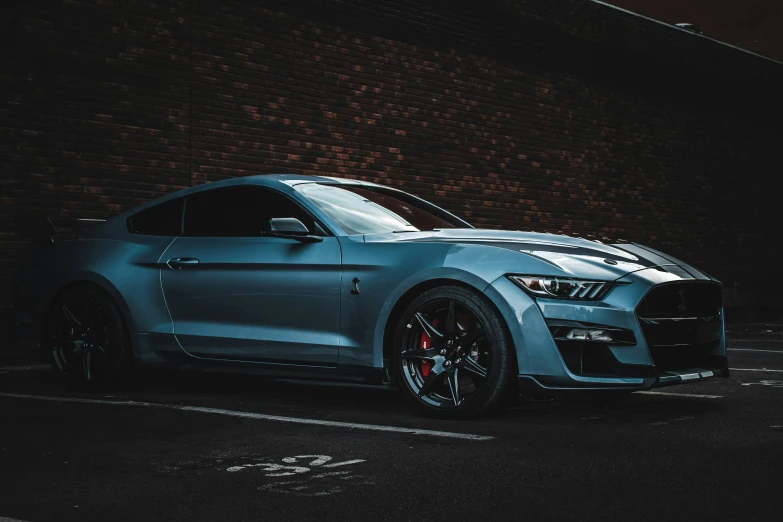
{"x":452,"y":353}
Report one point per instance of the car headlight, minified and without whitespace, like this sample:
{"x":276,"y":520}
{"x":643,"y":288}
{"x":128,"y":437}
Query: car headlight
{"x":562,"y":288}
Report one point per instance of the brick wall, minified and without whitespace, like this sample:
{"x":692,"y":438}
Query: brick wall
{"x":527,"y":114}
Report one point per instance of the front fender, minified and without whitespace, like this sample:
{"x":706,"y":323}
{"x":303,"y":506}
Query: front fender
{"x":440,"y":274}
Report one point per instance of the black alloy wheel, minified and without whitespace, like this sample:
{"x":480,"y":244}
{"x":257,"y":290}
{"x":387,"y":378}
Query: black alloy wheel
{"x":86,"y":337}
{"x":452,"y":353}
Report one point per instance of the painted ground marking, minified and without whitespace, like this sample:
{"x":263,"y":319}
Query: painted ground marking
{"x":259,"y":416}
{"x":774,"y":384}
{"x":673,"y":394}
{"x":304,"y":482}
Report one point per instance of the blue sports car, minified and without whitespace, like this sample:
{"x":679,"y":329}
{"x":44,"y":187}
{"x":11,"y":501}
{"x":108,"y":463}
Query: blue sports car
{"x":326,"y":278}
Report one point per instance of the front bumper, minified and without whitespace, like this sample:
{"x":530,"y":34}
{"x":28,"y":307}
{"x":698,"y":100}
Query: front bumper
{"x":696,"y":352}
{"x":537,"y":384}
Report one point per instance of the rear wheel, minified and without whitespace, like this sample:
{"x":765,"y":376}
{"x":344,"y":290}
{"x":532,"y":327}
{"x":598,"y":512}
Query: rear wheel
{"x":452,"y":353}
{"x":86,"y":338}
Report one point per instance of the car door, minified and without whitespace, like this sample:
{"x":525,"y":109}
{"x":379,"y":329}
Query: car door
{"x":235,"y":294}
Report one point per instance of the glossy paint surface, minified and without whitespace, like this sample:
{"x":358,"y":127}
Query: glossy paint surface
{"x":256,"y":299}
{"x":271,"y":302}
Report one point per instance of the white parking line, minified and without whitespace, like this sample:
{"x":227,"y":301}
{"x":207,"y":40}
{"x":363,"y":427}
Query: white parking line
{"x":755,"y":370}
{"x":754,"y":350}
{"x":259,"y":416}
{"x":773,"y":341}
{"x":680,"y":394}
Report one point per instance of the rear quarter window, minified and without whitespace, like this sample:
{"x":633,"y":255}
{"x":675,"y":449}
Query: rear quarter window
{"x":164,"y":219}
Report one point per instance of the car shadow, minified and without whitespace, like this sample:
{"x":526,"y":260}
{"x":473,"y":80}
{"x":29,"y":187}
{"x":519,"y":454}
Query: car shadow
{"x":240,"y":391}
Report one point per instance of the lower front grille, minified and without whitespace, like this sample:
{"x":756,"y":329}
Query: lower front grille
{"x":667,"y":358}
{"x":682,"y":324}
{"x":596,"y":360}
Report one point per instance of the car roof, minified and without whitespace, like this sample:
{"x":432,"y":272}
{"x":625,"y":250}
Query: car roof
{"x":261,"y":180}
{"x":288,"y":179}
{"x":279,"y":181}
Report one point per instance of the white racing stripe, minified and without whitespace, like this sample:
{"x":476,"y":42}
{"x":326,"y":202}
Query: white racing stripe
{"x":755,"y":370}
{"x":646,"y":392}
{"x":260,"y":416}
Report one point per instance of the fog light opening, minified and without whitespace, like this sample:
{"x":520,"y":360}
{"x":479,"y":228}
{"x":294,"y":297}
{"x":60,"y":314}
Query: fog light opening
{"x":591,"y":333}
{"x":585,"y":334}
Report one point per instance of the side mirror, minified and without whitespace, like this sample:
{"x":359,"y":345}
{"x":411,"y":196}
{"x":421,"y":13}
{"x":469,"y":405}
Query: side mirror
{"x":291,"y":228}
{"x":287,"y":226}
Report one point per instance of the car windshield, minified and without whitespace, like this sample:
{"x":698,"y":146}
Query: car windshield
{"x":372,"y":210}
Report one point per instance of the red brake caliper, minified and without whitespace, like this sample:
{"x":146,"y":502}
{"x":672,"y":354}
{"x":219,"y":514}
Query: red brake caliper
{"x":425,"y":344}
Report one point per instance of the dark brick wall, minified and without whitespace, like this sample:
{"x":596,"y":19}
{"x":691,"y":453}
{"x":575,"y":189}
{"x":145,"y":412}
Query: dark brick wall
{"x":544,"y":115}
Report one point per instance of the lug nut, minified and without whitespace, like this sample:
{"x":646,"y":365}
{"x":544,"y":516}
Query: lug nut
{"x":447,"y":364}
{"x":442,"y":352}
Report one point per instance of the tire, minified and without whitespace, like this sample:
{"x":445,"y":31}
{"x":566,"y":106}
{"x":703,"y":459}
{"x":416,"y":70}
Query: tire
{"x":446,"y":339}
{"x":86,"y":339}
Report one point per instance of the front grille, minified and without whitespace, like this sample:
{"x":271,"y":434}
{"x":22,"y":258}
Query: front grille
{"x":682,"y":324}
{"x":682,"y":300}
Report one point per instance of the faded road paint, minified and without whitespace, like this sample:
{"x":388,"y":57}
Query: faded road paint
{"x":779,"y":352}
{"x":692,"y":395}
{"x":260,"y":416}
{"x":304,"y":482}
{"x":23,"y":368}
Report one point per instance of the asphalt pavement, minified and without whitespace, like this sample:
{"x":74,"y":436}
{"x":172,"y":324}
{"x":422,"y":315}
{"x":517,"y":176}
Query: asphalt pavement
{"x":213,"y":447}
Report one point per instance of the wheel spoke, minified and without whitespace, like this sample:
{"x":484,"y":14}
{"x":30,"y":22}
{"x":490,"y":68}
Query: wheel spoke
{"x":430,"y":330}
{"x":472,"y":366}
{"x":470,"y":338}
{"x":78,"y":347}
{"x":72,"y":321}
{"x":87,"y":363}
{"x":428,"y":354}
{"x":432,"y":379}
{"x":453,"y":380}
{"x":59,"y":356}
{"x":450,"y":328}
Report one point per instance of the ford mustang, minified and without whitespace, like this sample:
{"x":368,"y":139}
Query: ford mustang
{"x":326,"y":278}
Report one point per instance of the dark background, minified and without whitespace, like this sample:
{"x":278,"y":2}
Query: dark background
{"x":751,"y":24}
{"x":540,"y":115}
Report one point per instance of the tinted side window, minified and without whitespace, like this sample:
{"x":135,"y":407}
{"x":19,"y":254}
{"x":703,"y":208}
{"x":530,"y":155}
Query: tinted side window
{"x":238,"y":212}
{"x":161,"y":220}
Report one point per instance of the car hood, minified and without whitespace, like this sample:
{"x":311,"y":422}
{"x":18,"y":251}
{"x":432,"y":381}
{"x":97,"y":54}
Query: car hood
{"x":572,"y":255}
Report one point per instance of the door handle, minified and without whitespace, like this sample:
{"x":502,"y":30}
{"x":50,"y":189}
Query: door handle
{"x":178,"y":263}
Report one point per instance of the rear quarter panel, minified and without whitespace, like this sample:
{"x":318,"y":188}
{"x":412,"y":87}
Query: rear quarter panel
{"x":127,"y":269}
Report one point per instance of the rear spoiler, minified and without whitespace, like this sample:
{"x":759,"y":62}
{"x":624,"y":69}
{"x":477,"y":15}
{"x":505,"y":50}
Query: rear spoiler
{"x":41,"y":228}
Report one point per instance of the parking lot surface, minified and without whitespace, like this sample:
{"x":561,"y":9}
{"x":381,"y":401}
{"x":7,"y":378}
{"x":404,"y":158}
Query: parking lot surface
{"x":213,"y":447}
